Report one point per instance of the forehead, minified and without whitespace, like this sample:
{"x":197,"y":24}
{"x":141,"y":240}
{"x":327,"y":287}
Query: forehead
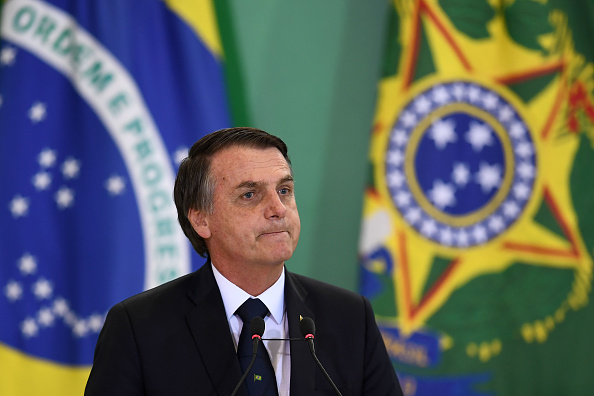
{"x":238,"y":163}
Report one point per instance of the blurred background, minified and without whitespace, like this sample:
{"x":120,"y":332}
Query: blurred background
{"x":310,"y":74}
{"x":442,"y":152}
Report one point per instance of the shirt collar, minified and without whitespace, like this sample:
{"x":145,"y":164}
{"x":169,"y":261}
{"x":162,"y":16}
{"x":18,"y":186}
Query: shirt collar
{"x":233,"y":296}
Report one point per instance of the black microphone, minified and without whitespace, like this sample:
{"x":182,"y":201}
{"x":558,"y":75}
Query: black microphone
{"x":308,"y":329}
{"x":256,"y":330}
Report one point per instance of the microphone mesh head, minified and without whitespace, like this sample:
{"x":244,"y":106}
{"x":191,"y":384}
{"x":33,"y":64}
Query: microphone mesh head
{"x":307,"y":327}
{"x":257,"y":326}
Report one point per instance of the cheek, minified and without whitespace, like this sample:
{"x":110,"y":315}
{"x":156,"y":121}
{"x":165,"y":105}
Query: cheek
{"x":237,"y":228}
{"x":296,"y":222}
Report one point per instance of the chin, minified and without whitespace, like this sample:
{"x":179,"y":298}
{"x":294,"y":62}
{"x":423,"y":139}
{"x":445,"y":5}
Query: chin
{"x":282,"y":255}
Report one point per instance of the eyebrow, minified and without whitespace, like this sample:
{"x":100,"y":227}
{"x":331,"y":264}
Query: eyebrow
{"x":254,"y":184}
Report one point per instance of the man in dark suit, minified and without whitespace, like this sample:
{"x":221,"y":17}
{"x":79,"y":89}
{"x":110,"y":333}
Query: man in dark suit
{"x":236,"y":204}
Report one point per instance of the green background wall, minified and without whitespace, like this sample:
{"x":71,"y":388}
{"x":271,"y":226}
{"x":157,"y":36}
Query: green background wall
{"x":310,"y":71}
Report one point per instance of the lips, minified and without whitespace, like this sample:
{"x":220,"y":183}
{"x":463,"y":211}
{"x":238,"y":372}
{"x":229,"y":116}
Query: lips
{"x":273,"y":232}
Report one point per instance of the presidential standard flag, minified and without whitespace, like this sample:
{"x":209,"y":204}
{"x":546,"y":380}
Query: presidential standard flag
{"x":477,"y":237}
{"x":99,"y":102}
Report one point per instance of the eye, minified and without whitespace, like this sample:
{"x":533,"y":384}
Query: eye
{"x":248,"y":195}
{"x":283,"y":191}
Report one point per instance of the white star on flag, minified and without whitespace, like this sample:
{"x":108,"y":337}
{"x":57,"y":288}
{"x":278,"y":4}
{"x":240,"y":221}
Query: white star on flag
{"x":480,"y":233}
{"x":95,"y":322}
{"x":403,"y":198}
{"x":70,"y":168}
{"x":42,"y":289}
{"x":115,"y":185}
{"x":19,"y":206}
{"x":521,"y":191}
{"x":413,"y":215}
{"x":505,"y":114}
{"x":64,"y":197}
{"x":13,"y":290}
{"x":517,"y":130}
{"x":42,"y":180}
{"x":422,"y":105}
{"x":479,"y":136}
{"x":474,"y":93}
{"x":37,"y":112}
{"x":80,"y":328}
{"x":461,"y":174}
{"x":27,"y":264}
{"x":428,"y":227}
{"x":408,"y":119}
{"x":180,"y":154}
{"x":440,"y":94}
{"x":462,"y":238}
{"x":443,"y":132}
{"x":442,"y":194}
{"x":524,"y":150}
{"x":395,"y":157}
{"x":399,"y":137}
{"x":61,"y":307}
{"x":511,"y":209}
{"x":526,"y":170}
{"x":496,"y":224}
{"x":458,"y":90}
{"x":47,"y":158}
{"x":446,"y":236}
{"x":29,"y":328}
{"x":70,"y":318}
{"x":488,"y":176}
{"x":490,"y":101}
{"x":7,"y":56}
{"x":45,"y":317}
{"x":396,"y":179}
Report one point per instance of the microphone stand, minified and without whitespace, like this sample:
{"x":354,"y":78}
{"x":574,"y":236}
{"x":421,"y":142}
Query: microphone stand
{"x":256,"y":340}
{"x":257,"y":329}
{"x":307,"y":328}
{"x":313,"y":353}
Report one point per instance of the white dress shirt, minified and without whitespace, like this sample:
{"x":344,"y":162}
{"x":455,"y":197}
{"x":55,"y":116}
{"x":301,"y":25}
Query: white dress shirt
{"x":277,"y":325}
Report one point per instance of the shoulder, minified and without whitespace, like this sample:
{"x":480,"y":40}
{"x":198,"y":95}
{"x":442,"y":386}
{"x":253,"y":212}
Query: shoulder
{"x":173,"y":289}
{"x":325,"y":296}
{"x":316,"y":286}
{"x":172,"y":298}
{"x":159,"y":309}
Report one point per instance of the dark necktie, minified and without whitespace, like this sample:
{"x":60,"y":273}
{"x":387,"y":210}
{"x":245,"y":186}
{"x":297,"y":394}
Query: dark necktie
{"x":261,"y":380}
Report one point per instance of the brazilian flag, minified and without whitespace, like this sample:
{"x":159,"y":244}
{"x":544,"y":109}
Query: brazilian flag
{"x":99,"y":102}
{"x":478,"y":230}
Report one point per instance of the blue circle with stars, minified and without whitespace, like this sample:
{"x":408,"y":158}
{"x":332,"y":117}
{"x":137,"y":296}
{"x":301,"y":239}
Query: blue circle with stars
{"x":460,"y":164}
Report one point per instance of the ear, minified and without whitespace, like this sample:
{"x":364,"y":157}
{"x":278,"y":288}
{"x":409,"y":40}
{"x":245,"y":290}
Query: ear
{"x":199,"y":223}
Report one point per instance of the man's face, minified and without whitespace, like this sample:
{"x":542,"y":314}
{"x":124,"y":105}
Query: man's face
{"x":255,"y":219}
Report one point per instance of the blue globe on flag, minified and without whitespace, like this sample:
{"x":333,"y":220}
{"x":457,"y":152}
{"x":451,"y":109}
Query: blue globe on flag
{"x":91,"y":137}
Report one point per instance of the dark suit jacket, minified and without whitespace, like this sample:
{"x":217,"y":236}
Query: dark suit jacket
{"x":175,"y":340}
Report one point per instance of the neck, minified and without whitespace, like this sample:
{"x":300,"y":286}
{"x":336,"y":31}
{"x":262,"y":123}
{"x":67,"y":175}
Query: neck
{"x":251,"y":279}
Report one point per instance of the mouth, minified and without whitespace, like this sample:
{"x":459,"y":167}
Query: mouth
{"x":273,"y":233}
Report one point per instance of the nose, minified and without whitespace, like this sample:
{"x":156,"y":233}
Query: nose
{"x":275,"y":208}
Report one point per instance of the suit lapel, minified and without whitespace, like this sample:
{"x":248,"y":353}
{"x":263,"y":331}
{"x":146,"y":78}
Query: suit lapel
{"x":303,"y":368}
{"x":210,"y":329}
